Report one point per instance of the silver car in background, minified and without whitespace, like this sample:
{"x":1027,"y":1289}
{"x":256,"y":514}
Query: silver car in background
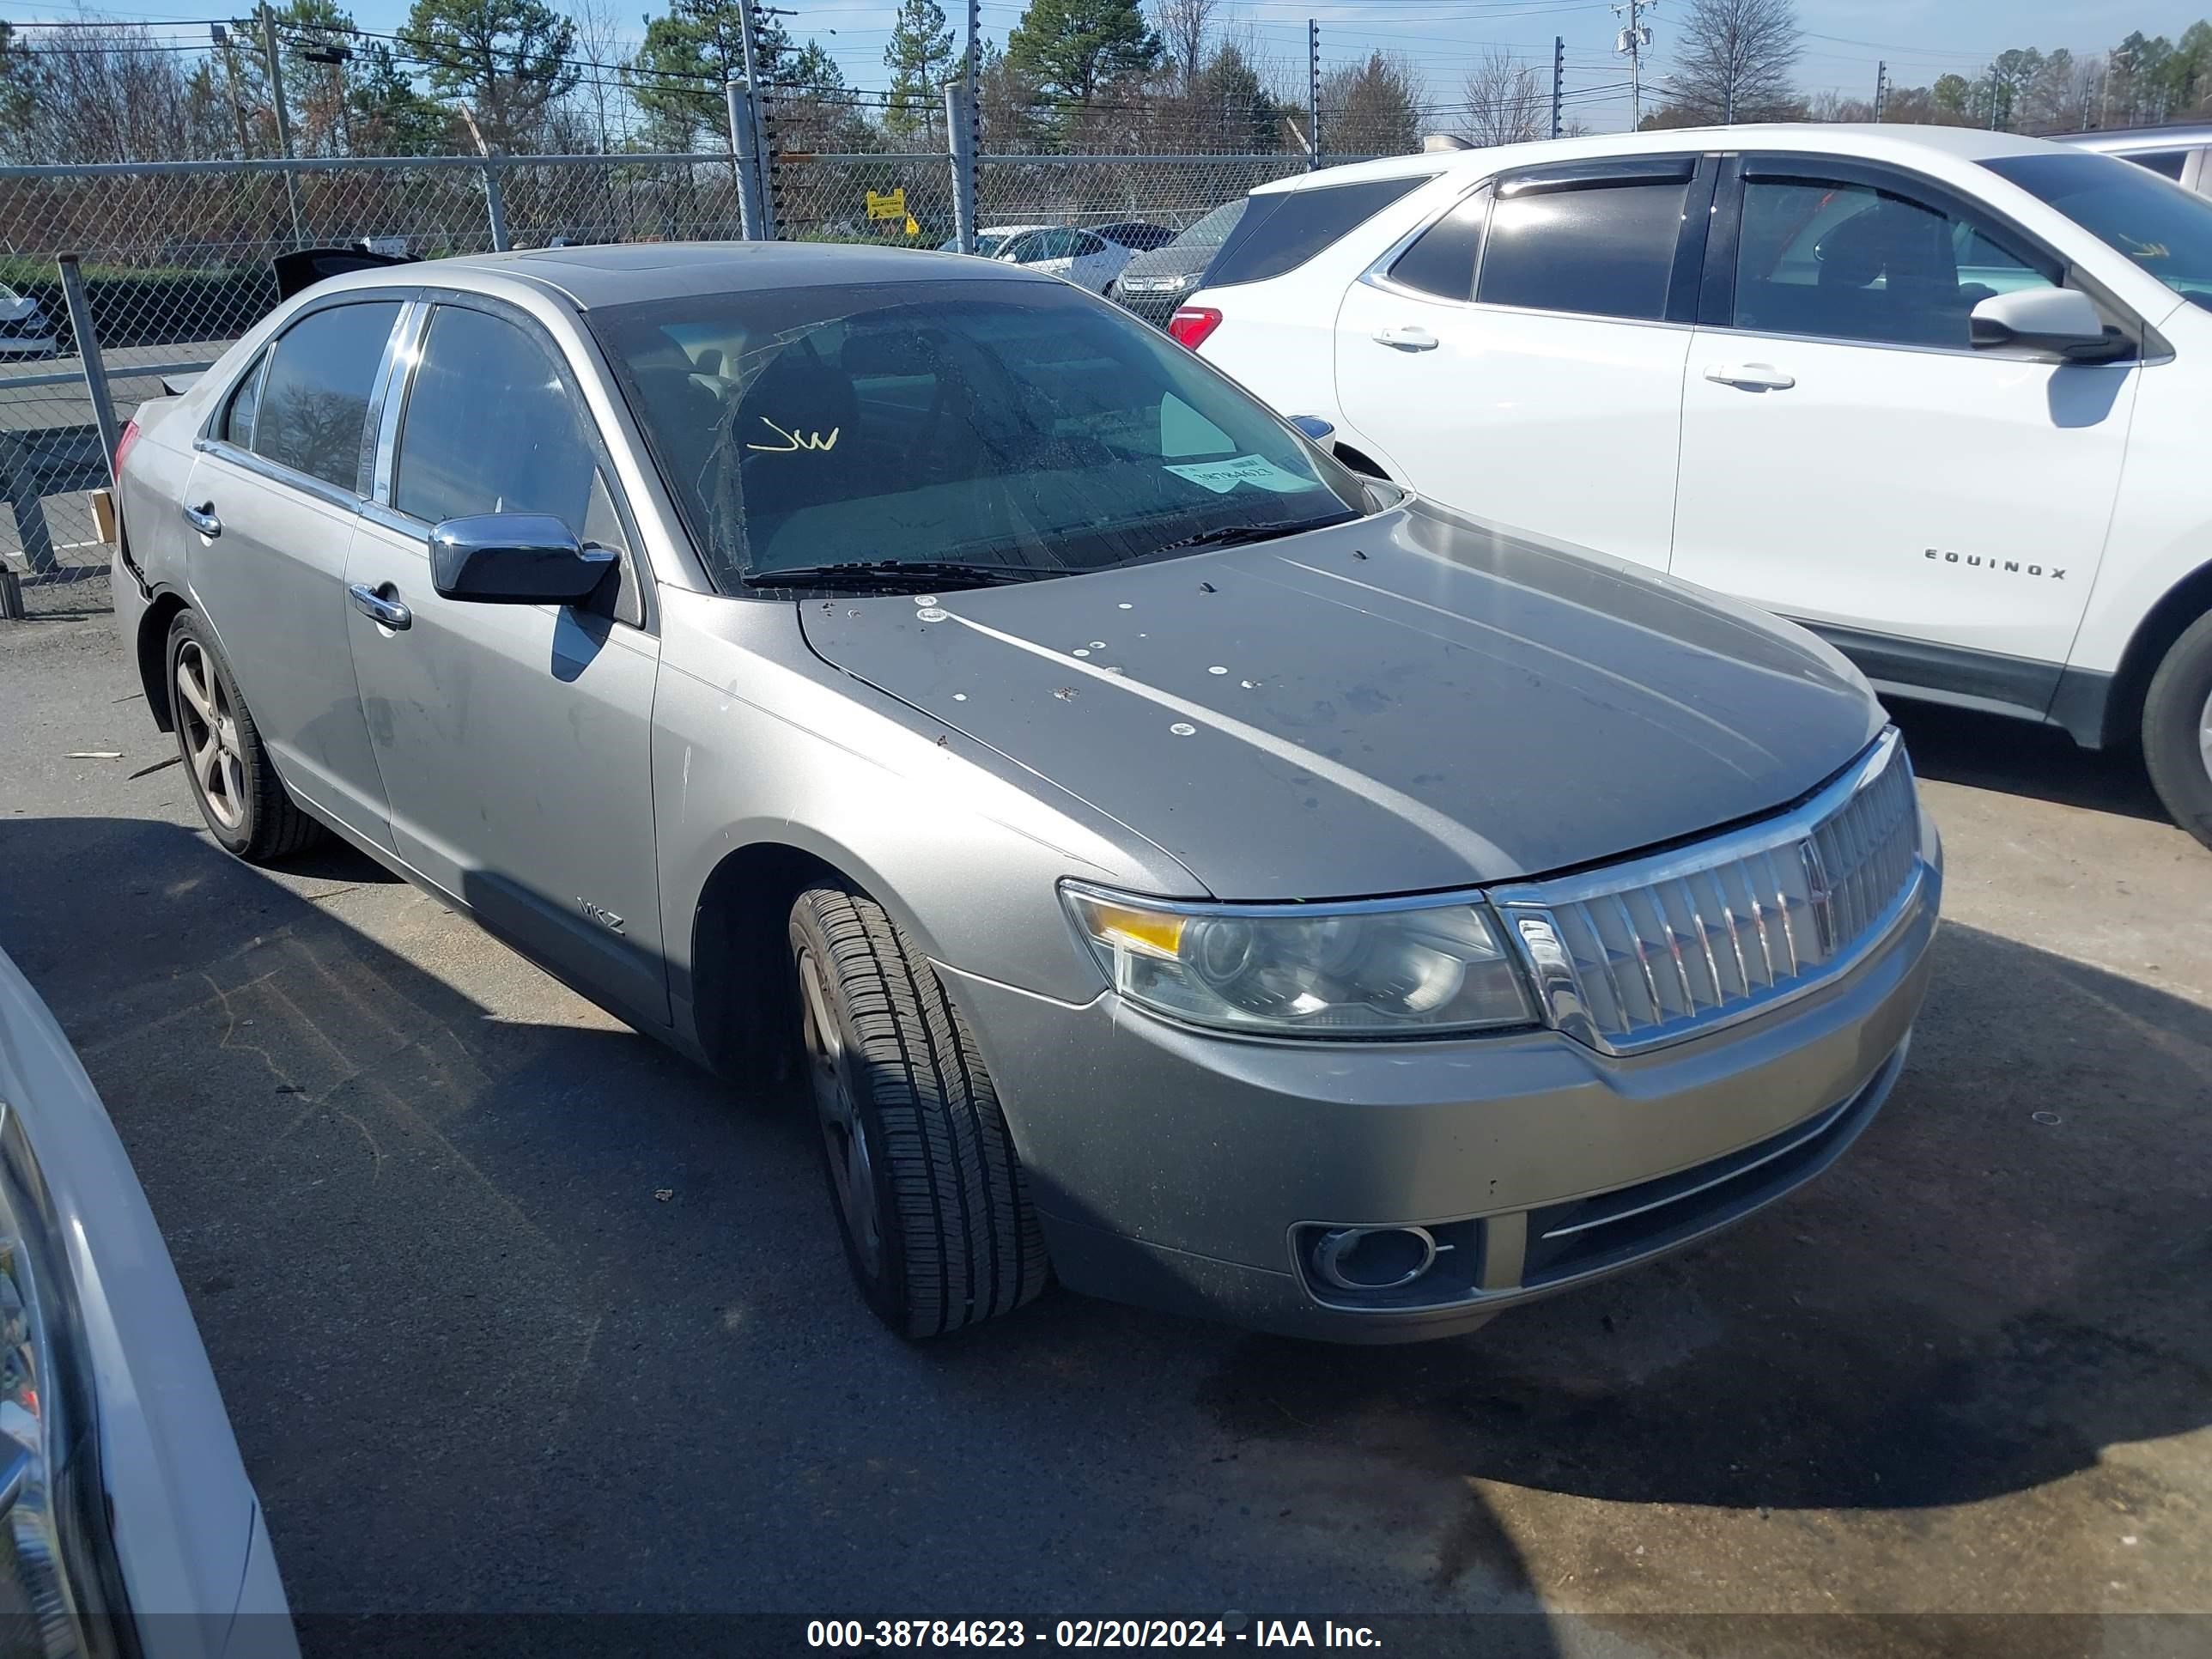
{"x":1175,"y":863}
{"x":127,"y":1524}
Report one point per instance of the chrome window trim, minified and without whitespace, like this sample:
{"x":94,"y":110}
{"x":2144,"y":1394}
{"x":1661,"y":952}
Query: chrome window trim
{"x":1526,"y":908}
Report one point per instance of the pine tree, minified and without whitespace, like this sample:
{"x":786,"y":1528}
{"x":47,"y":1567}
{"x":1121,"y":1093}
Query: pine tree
{"x":920,"y":58}
{"x":1071,"y":48}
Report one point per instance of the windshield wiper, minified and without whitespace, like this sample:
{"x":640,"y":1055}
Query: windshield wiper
{"x":1235,"y":535}
{"x":892,"y":573}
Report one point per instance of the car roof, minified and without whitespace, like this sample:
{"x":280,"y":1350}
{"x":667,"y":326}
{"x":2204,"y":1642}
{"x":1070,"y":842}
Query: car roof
{"x":1841,"y":139}
{"x":620,"y":273}
{"x":2131,"y":140}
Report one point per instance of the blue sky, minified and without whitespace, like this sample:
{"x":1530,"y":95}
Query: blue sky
{"x":1920,"y":40}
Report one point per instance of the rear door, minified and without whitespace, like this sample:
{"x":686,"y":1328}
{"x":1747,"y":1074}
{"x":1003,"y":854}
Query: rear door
{"x":1520,"y":358}
{"x":271,"y":504}
{"x":515,"y":739}
{"x":1851,"y":460}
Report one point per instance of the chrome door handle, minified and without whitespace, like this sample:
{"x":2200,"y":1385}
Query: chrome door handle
{"x":1409,"y":336}
{"x":1751,"y":377}
{"x":202,"y":519}
{"x":372,"y":604}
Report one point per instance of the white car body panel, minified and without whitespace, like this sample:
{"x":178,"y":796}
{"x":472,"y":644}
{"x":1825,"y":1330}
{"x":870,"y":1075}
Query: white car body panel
{"x":186,"y":1525}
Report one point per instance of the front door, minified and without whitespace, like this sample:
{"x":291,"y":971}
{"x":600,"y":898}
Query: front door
{"x":515,"y":740}
{"x":1850,"y":460}
{"x":1519,"y":359}
{"x":273,"y":498}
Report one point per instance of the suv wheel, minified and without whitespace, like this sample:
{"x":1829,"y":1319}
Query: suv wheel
{"x":2177,"y":730}
{"x":938,"y":1228}
{"x":245,"y":802}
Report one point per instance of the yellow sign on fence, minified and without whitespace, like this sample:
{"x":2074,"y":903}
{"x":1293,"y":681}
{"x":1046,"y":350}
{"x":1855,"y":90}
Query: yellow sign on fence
{"x":890,"y":204}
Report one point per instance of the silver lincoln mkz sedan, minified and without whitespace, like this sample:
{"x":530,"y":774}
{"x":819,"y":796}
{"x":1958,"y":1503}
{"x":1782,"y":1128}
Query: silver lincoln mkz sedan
{"x":1178,"y":865}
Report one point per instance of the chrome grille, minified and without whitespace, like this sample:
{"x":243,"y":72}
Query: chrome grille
{"x":1661,"y":948}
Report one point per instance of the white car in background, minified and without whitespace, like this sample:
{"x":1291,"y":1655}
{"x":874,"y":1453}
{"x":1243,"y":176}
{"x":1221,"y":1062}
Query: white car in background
{"x":1084,"y":257}
{"x":25,"y":331}
{"x":132,"y":1528}
{"x":1940,"y":394}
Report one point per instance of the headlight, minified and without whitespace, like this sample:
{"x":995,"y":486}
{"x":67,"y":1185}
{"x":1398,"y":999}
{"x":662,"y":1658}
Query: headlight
{"x":1414,"y":969}
{"x":57,"y":1584}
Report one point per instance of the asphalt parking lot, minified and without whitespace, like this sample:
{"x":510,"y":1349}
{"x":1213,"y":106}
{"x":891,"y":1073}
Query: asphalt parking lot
{"x":513,"y":1310}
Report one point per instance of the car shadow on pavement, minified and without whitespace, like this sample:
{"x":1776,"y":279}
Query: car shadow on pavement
{"x":2019,"y":757}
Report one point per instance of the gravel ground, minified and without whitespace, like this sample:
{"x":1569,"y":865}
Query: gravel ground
{"x":476,"y":1362}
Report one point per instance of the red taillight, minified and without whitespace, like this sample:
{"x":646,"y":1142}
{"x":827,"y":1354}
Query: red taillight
{"x":1191,"y":325}
{"x":123,"y":444}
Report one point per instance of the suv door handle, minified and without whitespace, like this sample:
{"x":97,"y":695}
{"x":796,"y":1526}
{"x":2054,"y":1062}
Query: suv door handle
{"x":1751,"y":377}
{"x":202,"y":519}
{"x":392,"y":613}
{"x":1407,"y":336}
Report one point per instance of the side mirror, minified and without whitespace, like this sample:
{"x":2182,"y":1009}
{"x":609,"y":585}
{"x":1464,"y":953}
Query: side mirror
{"x":514,"y":558}
{"x":2062,"y":320}
{"x":1322,"y":432}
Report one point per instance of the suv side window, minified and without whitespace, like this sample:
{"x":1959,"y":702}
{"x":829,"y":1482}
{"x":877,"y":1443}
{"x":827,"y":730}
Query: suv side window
{"x":1602,"y":250}
{"x":1850,"y":262}
{"x":1282,"y":229}
{"x":313,"y":405}
{"x":1442,"y":259}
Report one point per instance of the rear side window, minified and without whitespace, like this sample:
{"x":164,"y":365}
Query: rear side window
{"x":237,"y":426}
{"x":314,"y":398}
{"x":1601,"y":251}
{"x":2167,"y":162}
{"x":1442,"y":257}
{"x":1283,"y":229}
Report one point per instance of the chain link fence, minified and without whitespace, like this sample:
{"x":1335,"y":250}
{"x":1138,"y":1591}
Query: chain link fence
{"x":174,"y":257}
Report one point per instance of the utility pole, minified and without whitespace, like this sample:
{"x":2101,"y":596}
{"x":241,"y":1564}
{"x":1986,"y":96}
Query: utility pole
{"x":1559,"y":79}
{"x":1313,"y":94}
{"x":745,"y":28}
{"x":1632,"y":39}
{"x":283,"y":119}
{"x":1993,"y":98}
{"x":1880,"y":89}
{"x":222,"y":36}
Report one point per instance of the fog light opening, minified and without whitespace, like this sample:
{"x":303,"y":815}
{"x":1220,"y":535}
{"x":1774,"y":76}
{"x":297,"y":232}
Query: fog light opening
{"x":1369,"y":1259}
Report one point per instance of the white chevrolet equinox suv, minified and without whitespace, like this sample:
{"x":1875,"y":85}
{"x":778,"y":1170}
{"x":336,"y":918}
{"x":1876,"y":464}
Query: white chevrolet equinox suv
{"x":1943,"y":396}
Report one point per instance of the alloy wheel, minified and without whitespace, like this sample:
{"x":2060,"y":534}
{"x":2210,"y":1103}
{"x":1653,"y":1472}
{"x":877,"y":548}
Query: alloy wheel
{"x":209,"y":730}
{"x":844,"y":1132}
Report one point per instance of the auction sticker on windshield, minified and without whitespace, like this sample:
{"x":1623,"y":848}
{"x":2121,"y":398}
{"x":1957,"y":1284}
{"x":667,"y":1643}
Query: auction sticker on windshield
{"x":1222,"y":477}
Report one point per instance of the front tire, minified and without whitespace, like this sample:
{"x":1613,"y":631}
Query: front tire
{"x":245,"y":802}
{"x":2177,"y":730}
{"x":936,"y":1222}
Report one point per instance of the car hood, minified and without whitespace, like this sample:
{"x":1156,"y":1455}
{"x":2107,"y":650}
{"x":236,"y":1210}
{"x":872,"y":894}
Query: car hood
{"x":1408,"y":702}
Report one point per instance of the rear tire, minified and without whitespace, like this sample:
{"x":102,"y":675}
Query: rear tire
{"x":2177,"y":730}
{"x":245,"y":804}
{"x":930,"y":1198}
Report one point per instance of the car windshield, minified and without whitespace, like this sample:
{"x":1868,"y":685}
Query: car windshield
{"x":1213,"y":229}
{"x":2164,"y":228}
{"x":986,"y":243}
{"x":1020,"y":426}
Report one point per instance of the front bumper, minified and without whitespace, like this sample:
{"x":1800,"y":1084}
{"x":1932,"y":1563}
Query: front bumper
{"x":1189,"y":1171}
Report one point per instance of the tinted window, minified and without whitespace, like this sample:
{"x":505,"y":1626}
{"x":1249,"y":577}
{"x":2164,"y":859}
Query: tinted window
{"x":238,"y":417}
{"x":2167,"y":162}
{"x":1442,"y":261}
{"x":1282,"y":229}
{"x":1086,"y":244}
{"x":1019,"y":425}
{"x":491,"y":426}
{"x":1605,"y":250}
{"x":1852,"y":263}
{"x":2165,"y":229}
{"x":314,"y":399}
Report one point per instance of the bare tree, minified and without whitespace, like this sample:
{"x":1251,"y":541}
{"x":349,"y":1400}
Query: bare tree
{"x":1735,"y":59}
{"x":1506,"y":103}
{"x":1186,"y":29}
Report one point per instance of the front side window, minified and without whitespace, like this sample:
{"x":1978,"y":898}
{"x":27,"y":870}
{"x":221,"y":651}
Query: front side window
{"x":314,"y":399}
{"x":1849,"y":262}
{"x":1604,"y":250}
{"x":2165,"y":229}
{"x":1280,"y":230}
{"x":1087,"y":244}
{"x":1018,"y":427}
{"x":492,"y":426}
